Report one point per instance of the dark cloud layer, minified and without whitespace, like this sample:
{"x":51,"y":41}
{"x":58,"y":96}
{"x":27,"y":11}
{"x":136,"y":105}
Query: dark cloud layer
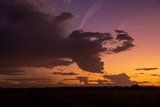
{"x":12,"y":72}
{"x":30,"y":37}
{"x":26,"y":82}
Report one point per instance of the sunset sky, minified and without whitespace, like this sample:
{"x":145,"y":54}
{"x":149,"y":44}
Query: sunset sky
{"x":39,"y":48}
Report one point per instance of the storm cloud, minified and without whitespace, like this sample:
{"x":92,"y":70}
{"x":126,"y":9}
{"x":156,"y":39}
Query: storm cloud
{"x":29,"y":37}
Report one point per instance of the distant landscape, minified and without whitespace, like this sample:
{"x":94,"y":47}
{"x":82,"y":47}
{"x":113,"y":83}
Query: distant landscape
{"x":81,"y":97}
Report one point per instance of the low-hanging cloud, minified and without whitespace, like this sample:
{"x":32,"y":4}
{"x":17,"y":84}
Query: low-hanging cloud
{"x":26,"y":82}
{"x":109,"y":80}
{"x":120,"y":80}
{"x":101,"y":82}
{"x":83,"y":80}
{"x":30,"y":37}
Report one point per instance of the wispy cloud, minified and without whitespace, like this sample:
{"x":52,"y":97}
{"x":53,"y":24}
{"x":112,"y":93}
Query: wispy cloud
{"x":64,"y":73}
{"x":26,"y":82}
{"x":155,"y":75}
{"x":145,"y":69}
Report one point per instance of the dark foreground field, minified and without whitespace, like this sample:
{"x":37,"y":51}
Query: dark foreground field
{"x":81,"y":97}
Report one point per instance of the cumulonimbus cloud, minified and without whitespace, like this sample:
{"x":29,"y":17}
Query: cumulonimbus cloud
{"x":30,"y":37}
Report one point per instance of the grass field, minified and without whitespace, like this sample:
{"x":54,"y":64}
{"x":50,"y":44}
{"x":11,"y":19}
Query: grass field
{"x":81,"y":97}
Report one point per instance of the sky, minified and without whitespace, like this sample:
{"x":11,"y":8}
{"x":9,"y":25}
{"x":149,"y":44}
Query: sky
{"x":48,"y":43}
